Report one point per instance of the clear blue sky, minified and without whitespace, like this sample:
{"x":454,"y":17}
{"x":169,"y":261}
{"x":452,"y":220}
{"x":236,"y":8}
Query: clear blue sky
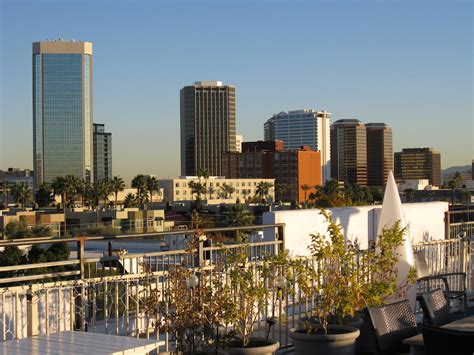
{"x":406,"y":63}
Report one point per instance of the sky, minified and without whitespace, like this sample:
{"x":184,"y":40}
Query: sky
{"x":408,"y":63}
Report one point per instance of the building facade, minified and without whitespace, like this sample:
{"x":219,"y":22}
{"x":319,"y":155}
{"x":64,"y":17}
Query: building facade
{"x":303,"y":128}
{"x":62,"y":110}
{"x":238,"y":142}
{"x":207,"y":126}
{"x":102,"y":153}
{"x":379,"y":153}
{"x":291,"y":169}
{"x":349,"y":152}
{"x":418,"y":163}
{"x":178,"y":189}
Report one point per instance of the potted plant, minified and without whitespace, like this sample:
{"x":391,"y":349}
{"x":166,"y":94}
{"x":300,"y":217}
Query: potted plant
{"x":345,"y":280}
{"x":251,"y":291}
{"x":192,"y":306}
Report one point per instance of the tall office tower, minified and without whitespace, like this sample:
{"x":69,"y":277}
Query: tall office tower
{"x":379,"y":153}
{"x":102,"y":153}
{"x":207,"y":126}
{"x":418,"y":163}
{"x":349,"y":152}
{"x":62,"y":110}
{"x":302,"y":128}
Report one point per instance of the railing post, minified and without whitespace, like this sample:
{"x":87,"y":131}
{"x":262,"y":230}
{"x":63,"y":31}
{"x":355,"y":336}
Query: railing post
{"x":31,"y":312}
{"x":80,"y":256}
{"x":463,"y":260}
{"x":281,"y":236}
{"x":447,"y":225}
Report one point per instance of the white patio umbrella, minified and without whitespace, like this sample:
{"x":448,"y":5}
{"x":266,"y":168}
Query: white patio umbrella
{"x":392,"y":211}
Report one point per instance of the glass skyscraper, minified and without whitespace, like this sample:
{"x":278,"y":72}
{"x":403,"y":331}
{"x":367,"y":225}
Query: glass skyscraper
{"x":62,"y":110}
{"x":302,"y":128}
{"x":102,"y":153}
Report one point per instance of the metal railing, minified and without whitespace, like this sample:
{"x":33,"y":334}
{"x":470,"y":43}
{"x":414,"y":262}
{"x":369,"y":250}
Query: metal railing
{"x":108,"y":294}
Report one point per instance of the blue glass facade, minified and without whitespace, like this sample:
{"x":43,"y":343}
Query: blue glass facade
{"x":62,"y":116}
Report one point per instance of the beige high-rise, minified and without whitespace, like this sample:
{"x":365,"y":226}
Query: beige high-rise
{"x":207,"y":126}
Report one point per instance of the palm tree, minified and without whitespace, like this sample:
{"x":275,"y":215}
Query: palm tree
{"x":22,"y":194}
{"x":262,"y":190}
{"x":117,"y":185}
{"x":66,"y":187}
{"x":228,"y":190}
{"x":107,"y":189}
{"x":201,"y":172}
{"x":152,"y":185}
{"x":238,"y":216}
{"x":211,"y":191}
{"x":305,"y":188}
{"x":5,"y":191}
{"x":139,"y":182}
{"x":82,"y":188}
{"x":44,"y":195}
{"x":130,"y":200}
{"x":99,"y":191}
{"x":281,"y":190}
{"x":197,"y":188}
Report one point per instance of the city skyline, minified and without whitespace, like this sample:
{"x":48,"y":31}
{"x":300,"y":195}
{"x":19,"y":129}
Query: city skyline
{"x":421,"y":89}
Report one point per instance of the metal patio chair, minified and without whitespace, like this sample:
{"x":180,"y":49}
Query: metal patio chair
{"x":392,"y":323}
{"x":453,"y":283}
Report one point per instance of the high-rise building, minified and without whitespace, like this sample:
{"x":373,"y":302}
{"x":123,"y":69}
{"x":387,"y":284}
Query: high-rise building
{"x":291,"y":169}
{"x":472,"y":170}
{"x":207,"y":126}
{"x":102,"y":153}
{"x":349,"y":152}
{"x":62,"y":110}
{"x":379,"y":153}
{"x":418,"y":163}
{"x":302,"y":128}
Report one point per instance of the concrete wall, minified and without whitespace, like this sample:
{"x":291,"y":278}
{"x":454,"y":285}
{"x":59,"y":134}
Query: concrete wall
{"x":425,"y":222}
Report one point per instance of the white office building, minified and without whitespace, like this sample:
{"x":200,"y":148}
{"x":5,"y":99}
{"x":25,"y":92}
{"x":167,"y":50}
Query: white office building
{"x":303,"y":127}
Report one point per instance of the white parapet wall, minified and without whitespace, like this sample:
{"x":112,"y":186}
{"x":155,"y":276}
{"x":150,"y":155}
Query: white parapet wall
{"x":425,"y":222}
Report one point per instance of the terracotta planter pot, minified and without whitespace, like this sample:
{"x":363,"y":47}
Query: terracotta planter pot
{"x":340,"y":340}
{"x":266,"y":348}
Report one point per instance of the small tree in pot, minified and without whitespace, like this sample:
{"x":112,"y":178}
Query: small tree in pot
{"x":251,"y":291}
{"x":346,"y":280}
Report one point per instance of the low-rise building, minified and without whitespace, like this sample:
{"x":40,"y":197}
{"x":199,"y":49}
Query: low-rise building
{"x":130,"y":220}
{"x":55,"y":221}
{"x":179,"y":190}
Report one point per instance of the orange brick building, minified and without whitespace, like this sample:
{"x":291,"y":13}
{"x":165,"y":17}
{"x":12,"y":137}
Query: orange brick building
{"x":266,"y":160}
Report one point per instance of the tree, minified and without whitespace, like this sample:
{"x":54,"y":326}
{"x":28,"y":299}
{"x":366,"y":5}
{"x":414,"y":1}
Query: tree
{"x":197,"y":188}
{"x":22,"y":194}
{"x":281,"y":189}
{"x":454,"y":184}
{"x":17,"y":230}
{"x":41,"y":231}
{"x":11,"y":255}
{"x":238,"y":216}
{"x":263,"y":189}
{"x":211,"y":190}
{"x":152,"y":185}
{"x":205,"y":174}
{"x":139,"y":182}
{"x":409,"y":195}
{"x":305,"y":188}
{"x":118,"y":185}
{"x":99,"y":191}
{"x":227,"y":190}
{"x":130,"y":200}
{"x":44,"y":195}
{"x":5,"y":192}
